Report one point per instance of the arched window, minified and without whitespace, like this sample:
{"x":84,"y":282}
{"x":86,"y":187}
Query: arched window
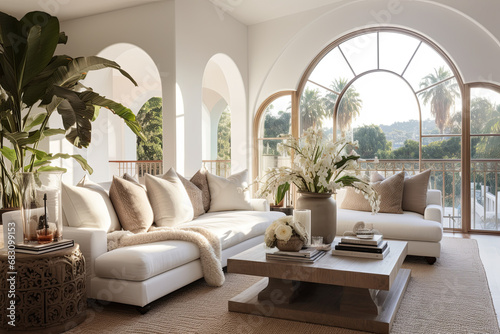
{"x":274,"y":119}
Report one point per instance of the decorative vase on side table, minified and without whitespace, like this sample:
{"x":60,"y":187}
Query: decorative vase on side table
{"x":323,"y":214}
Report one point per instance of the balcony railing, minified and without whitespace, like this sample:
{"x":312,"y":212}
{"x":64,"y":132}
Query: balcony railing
{"x":218,"y":167}
{"x":138,"y":168}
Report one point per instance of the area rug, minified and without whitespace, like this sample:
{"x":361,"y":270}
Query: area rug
{"x":451,"y":296}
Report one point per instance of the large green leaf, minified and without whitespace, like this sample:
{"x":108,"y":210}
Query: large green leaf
{"x":90,"y":97}
{"x":77,"y":69}
{"x":9,"y":153}
{"x":36,"y":89}
{"x":41,"y":44}
{"x":76,"y":115}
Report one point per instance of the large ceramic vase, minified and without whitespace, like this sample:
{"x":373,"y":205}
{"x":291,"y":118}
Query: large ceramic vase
{"x":323,"y":214}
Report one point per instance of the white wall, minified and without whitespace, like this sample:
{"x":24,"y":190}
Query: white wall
{"x":150,"y":27}
{"x":280,"y":50}
{"x":203,"y":31}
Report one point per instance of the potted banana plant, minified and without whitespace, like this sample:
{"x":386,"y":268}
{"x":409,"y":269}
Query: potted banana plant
{"x":35,"y":85}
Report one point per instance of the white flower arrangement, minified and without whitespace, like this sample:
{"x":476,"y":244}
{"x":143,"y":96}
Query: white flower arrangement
{"x":319,"y":166}
{"x":283,"y":229}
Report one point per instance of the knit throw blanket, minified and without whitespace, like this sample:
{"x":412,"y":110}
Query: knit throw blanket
{"x":207,"y":242}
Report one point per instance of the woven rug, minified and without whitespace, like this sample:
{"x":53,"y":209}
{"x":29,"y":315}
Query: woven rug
{"x":451,"y":296}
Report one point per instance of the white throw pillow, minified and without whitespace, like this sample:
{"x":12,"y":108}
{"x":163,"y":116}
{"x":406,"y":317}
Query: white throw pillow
{"x":169,"y":199}
{"x":229,"y":194}
{"x":88,"y":205}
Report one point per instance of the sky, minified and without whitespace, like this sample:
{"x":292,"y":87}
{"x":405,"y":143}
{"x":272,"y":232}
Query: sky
{"x":386,"y":97}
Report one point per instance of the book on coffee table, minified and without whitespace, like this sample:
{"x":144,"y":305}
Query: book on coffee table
{"x":362,"y":248}
{"x":44,"y":248}
{"x":280,"y":257}
{"x":374,"y":241}
{"x":377,"y":256}
{"x":305,"y":252}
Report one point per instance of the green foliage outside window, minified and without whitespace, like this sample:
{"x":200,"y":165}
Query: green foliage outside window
{"x":150,"y":119}
{"x":224,"y":136}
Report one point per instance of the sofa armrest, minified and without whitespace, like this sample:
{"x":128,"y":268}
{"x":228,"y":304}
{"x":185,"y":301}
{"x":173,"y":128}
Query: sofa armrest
{"x":434,"y":197}
{"x":434,"y":212}
{"x":260,"y":204}
{"x":93,"y":243}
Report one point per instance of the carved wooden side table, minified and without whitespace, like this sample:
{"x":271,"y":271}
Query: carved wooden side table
{"x":50,"y":295}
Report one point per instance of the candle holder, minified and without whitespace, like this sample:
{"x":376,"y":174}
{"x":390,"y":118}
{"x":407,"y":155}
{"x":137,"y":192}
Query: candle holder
{"x":41,"y":210}
{"x":303,"y":216}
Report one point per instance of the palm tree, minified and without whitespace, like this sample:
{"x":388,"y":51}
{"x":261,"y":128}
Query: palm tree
{"x":312,"y":109}
{"x":349,"y":107}
{"x":441,"y":96}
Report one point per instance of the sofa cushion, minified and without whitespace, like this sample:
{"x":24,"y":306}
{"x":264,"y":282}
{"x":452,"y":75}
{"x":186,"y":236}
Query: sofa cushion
{"x":140,"y":262}
{"x":233,"y":227}
{"x":88,"y":205}
{"x":415,"y":192}
{"x":195,"y":195}
{"x":390,"y":191}
{"x":169,"y":199}
{"x":131,"y":204}
{"x":410,"y":226}
{"x":200,"y":180}
{"x":229,"y":194}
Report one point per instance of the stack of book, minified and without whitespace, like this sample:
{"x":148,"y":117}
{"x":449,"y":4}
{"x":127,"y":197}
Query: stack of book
{"x":44,"y":248}
{"x":307,"y":255}
{"x":373,"y":248}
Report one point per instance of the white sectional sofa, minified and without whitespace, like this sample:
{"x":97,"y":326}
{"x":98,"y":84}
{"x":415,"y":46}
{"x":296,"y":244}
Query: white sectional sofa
{"x":422,"y":232}
{"x":140,"y":274}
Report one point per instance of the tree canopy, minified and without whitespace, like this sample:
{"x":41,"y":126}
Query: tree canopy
{"x":224,"y":135}
{"x":150,"y":119}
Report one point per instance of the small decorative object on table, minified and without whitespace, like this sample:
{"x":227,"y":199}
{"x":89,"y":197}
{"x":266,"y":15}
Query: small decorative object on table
{"x":285,"y":234}
{"x":41,"y":210}
{"x":303,"y":216}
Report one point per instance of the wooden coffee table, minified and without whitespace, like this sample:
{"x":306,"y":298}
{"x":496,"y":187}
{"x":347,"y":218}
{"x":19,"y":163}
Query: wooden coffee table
{"x":350,"y":292}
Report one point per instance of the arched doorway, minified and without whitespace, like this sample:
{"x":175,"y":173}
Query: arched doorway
{"x":112,"y":140}
{"x":223,"y":104}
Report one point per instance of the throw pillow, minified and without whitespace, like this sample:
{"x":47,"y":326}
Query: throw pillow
{"x":169,"y":199}
{"x":390,"y":191}
{"x":132,"y":179}
{"x":195,"y":195}
{"x":200,"y":180}
{"x":131,"y":205}
{"x":88,"y":205}
{"x":85,"y":182}
{"x":229,"y":194}
{"x":415,"y":192}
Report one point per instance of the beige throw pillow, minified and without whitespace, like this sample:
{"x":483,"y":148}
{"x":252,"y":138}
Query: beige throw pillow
{"x":415,"y":192}
{"x":390,"y":191}
{"x":169,"y":199}
{"x":131,"y":205}
{"x":229,"y":194}
{"x":195,"y":195}
{"x":200,"y":180}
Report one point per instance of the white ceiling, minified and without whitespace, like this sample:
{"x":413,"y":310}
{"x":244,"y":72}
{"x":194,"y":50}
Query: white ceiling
{"x":246,"y":11}
{"x":66,"y":9}
{"x":256,"y":11}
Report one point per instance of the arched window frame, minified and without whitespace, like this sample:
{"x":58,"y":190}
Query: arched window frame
{"x":464,"y":90}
